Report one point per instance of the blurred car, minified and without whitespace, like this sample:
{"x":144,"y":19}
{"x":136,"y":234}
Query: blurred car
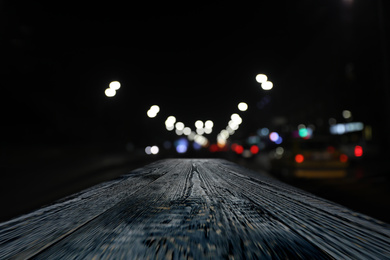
{"x":311,"y":158}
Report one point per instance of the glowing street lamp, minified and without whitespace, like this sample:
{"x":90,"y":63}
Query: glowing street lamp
{"x":115,"y":85}
{"x":261,"y":78}
{"x":209,"y":124}
{"x":199,"y":124}
{"x":110,"y":92}
{"x":267,"y":85}
{"x":153,"y":111}
{"x":243,"y":106}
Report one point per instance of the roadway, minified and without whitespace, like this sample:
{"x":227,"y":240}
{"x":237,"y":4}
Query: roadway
{"x":194,"y":209}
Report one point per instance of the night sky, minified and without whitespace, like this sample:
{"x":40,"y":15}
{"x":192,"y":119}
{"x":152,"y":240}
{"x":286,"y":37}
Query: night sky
{"x":194,"y":61}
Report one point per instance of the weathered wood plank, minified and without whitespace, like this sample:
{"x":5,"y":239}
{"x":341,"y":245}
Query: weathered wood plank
{"x":194,"y":208}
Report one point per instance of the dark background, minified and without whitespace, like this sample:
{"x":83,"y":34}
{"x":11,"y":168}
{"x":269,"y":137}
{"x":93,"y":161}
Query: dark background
{"x":196,"y":61}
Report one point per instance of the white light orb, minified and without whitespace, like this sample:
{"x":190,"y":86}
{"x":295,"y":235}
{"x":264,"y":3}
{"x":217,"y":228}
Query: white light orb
{"x":199,"y":124}
{"x":178,"y":131}
{"x":236,"y":118}
{"x":209,"y":124}
{"x":347,"y":114}
{"x":179,"y":126}
{"x":225,"y":134}
{"x":243,"y":106}
{"x":273,"y":136}
{"x":115,"y":85}
{"x":154,"y":149}
{"x":208,"y":130}
{"x":267,"y":85}
{"x":110,"y":92}
{"x":148,"y":150}
{"x":186,"y":130}
{"x":233,"y":125}
{"x":261,"y":78}
{"x":151,"y":113}
{"x":170,"y":121}
{"x":199,"y":131}
{"x":155,"y":108}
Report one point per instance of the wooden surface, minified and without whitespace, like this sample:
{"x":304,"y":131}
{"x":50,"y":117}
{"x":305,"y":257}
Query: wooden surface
{"x":194,"y":209}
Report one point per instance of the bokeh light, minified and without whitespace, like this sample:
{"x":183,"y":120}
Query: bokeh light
{"x":358,"y":151}
{"x":243,"y":106}
{"x":170,"y":127}
{"x":260,"y":78}
{"x":110,"y":92}
{"x":170,"y":122}
{"x":254,"y":149}
{"x":154,"y":149}
{"x":299,"y":158}
{"x":263,"y":131}
{"x":303,"y":132}
{"x":115,"y":85}
{"x":181,"y":148}
{"x":199,"y":124}
{"x":201,"y":140}
{"x":239,"y":149}
{"x":279,"y":140}
{"x":186,"y":130}
{"x":155,"y":108}
{"x":181,"y":145}
{"x":179,"y":126}
{"x":179,"y":131}
{"x":209,"y":124}
{"x":236,"y":118}
{"x":267,"y":85}
{"x":153,"y":111}
{"x":199,"y":131}
{"x":208,"y":130}
{"x":347,"y":114}
{"x":273,"y":136}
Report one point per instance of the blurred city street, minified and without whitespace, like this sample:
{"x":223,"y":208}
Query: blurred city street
{"x":298,"y":91}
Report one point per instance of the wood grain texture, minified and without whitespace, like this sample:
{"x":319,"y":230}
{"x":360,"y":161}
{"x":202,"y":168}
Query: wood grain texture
{"x":194,"y":209}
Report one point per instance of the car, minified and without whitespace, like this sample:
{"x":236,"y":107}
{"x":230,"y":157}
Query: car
{"x":309,"y":158}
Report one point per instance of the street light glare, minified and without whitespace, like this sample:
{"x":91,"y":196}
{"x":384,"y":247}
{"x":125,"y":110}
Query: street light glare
{"x":261,"y":78}
{"x":187,"y":131}
{"x":179,"y":126}
{"x":154,"y":149}
{"x":209,"y":124}
{"x":155,"y":108}
{"x":115,"y":85}
{"x":170,"y":121}
{"x":110,"y":92}
{"x":236,"y":118}
{"x":199,"y":124}
{"x":243,"y":106}
{"x":347,"y":114}
{"x":151,"y":113}
{"x":267,"y":85}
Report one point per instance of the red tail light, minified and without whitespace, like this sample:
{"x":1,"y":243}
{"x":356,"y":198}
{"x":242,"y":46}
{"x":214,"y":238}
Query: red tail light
{"x":239,"y":149}
{"x":358,"y":151}
{"x":343,"y":158}
{"x":254,"y":149}
{"x":299,"y":158}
